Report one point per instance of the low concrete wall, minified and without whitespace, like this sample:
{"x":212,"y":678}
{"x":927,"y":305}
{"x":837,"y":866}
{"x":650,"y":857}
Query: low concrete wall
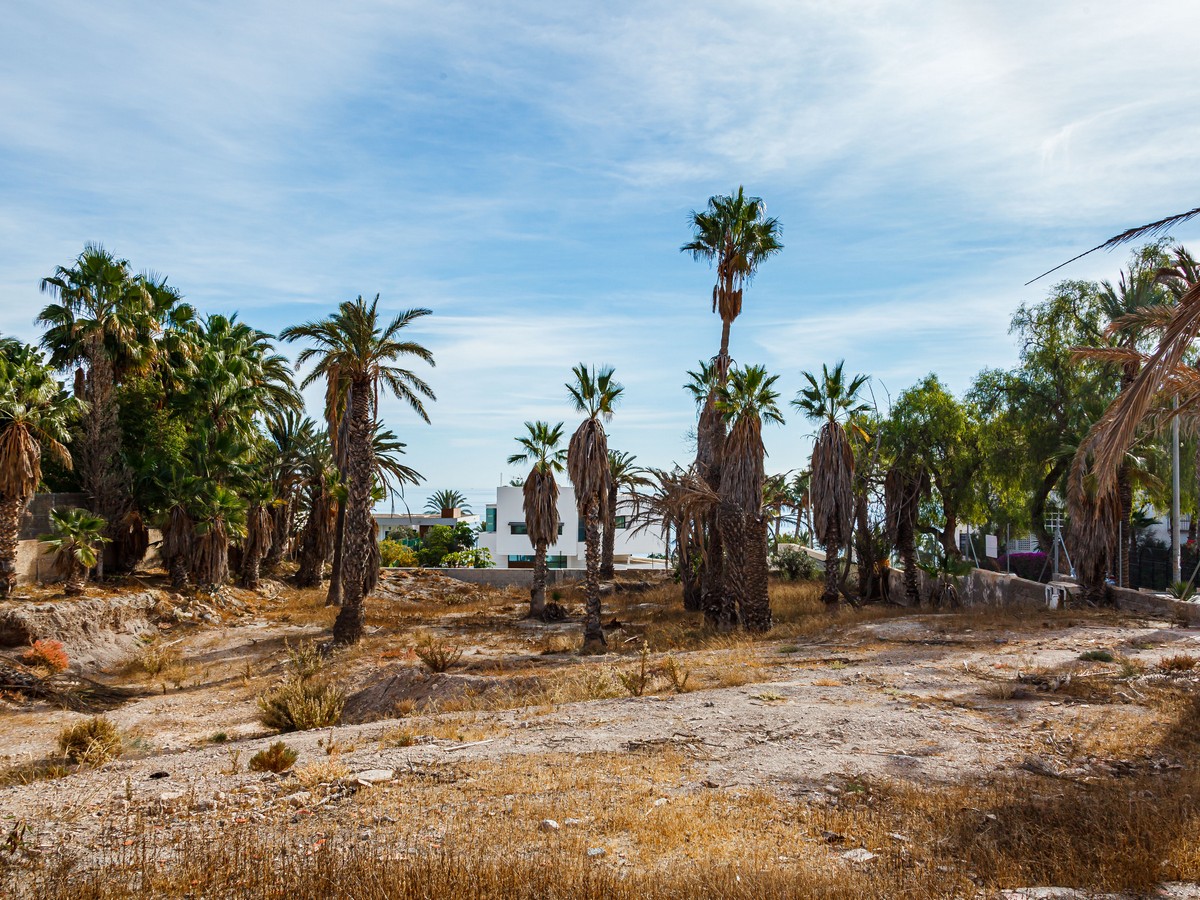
{"x":503,"y":577}
{"x":984,"y":588}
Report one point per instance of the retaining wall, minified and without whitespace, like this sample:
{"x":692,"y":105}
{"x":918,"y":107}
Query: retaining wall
{"x":505,"y":577}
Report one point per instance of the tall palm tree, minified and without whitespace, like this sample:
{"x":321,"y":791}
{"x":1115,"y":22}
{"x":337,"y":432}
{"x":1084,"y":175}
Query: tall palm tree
{"x":447,"y":498}
{"x":540,"y":446}
{"x":34,"y":414}
{"x":734,"y":232}
{"x":260,"y":531}
{"x":594,"y":393}
{"x":355,"y":346}
{"x":747,"y":401}
{"x":289,"y":438}
{"x":626,"y":478}
{"x":76,"y":536}
{"x":219,"y":519}
{"x":101,"y":324}
{"x":679,"y":502}
{"x":832,"y":401}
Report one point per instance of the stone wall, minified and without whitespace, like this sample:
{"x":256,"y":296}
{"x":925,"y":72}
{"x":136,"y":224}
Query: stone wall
{"x":506,"y":577}
{"x":36,"y":521}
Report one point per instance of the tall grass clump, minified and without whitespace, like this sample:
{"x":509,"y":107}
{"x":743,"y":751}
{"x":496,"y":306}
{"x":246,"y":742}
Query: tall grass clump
{"x":91,"y":742}
{"x":305,"y":699}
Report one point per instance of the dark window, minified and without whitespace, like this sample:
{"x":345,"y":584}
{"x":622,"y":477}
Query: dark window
{"x":620,"y":522}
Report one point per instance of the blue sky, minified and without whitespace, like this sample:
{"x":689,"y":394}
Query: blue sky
{"x":526,"y":171}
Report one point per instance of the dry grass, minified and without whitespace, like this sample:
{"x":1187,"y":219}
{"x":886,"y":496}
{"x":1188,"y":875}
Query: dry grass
{"x":1180,"y":662}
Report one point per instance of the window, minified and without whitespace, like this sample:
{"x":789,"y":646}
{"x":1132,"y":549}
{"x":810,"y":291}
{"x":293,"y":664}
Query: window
{"x":582,"y":537}
{"x":620,"y":523}
{"x":490,"y":519}
{"x":517,"y":528}
{"x":525,"y":561}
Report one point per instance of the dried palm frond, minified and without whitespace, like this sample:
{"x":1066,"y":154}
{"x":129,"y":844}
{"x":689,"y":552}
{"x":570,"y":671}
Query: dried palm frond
{"x":832,"y":483}
{"x":1149,"y":318}
{"x":1093,"y":510}
{"x":587,"y":466}
{"x":903,"y":492}
{"x":1112,"y":435}
{"x":742,"y":470}
{"x":541,"y":506}
{"x":1122,"y":356}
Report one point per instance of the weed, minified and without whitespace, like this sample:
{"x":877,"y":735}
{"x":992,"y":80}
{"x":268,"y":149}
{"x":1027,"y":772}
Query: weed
{"x":676,"y":674}
{"x":29,"y":772}
{"x":398,"y":737}
{"x":233,"y":756}
{"x":770,"y":697}
{"x":320,"y":773}
{"x":219,"y":737}
{"x":155,"y":658}
{"x":1180,"y":662}
{"x":304,"y":661}
{"x":46,"y":655}
{"x":789,"y":648}
{"x":298,"y":705}
{"x":1097,"y":656}
{"x":92,"y":742}
{"x":279,"y":757}
{"x":437,"y":654}
{"x":637,"y":681}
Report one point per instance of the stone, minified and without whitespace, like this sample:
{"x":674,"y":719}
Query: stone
{"x":596,"y":852}
{"x":549,"y":825}
{"x":858,"y":855}
{"x":167,"y":798}
{"x":374,"y":776}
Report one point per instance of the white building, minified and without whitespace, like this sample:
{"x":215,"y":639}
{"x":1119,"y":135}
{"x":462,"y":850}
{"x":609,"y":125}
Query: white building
{"x":506,"y":537}
{"x":386,"y":524}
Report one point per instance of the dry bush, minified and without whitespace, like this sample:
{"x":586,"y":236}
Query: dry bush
{"x":279,"y":757}
{"x":156,"y":659}
{"x":298,"y":705}
{"x":318,"y":774}
{"x":47,"y":655}
{"x":675,"y":674}
{"x":550,"y":644}
{"x":1180,"y":662}
{"x":92,"y":742}
{"x":34,"y":770}
{"x":437,"y":654}
{"x":304,"y":661}
{"x":641,"y":679}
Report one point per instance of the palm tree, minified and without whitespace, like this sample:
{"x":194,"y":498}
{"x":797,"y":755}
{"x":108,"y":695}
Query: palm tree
{"x":290,"y":436}
{"x":680,"y":502}
{"x":260,"y":531}
{"x":103,"y":320}
{"x":540,"y":446}
{"x":832,"y":401}
{"x":353,"y":346}
{"x":219,"y":518}
{"x":593,"y":393}
{"x":447,"y":498}
{"x":748,"y":399}
{"x":34,"y":412}
{"x":626,"y":478}
{"x":904,"y":489}
{"x":75,"y":536}
{"x":734,"y":232}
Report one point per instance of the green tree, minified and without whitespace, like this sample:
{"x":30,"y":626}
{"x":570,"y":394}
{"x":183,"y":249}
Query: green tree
{"x":593,"y":393}
{"x":354,"y":346}
{"x":832,"y":402}
{"x":76,"y":536}
{"x":447,"y":498}
{"x":540,"y":447}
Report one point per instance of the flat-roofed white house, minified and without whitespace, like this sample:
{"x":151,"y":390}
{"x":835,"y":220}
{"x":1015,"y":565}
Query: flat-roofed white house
{"x":386,"y":524}
{"x":505,"y":535}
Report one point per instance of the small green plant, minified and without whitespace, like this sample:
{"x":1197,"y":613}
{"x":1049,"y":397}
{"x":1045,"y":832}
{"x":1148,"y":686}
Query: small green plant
{"x":676,"y":674}
{"x":637,"y":681}
{"x":396,"y":554}
{"x":304,"y":661}
{"x":92,"y":742}
{"x":437,"y":654}
{"x":795,"y":565}
{"x":298,"y":705}
{"x":75,"y":537}
{"x":1182,"y":590}
{"x":789,"y":648}
{"x":279,"y":757}
{"x":475,"y":558}
{"x":219,"y":737}
{"x":1097,"y":656}
{"x":46,"y":655}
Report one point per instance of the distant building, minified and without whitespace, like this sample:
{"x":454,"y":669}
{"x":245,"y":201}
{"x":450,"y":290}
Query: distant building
{"x":389,"y":525}
{"x":506,"y":536}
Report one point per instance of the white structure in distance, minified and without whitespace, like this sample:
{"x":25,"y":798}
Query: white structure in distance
{"x":507,"y":538}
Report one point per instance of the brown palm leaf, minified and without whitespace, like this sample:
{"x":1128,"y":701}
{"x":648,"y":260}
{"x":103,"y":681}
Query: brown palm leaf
{"x":587,"y":466}
{"x":832,"y":484}
{"x":541,"y":506}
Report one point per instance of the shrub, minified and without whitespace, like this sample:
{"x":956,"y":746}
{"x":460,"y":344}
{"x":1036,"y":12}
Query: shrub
{"x":92,"y":742}
{"x":437,"y":654}
{"x":301,"y":704}
{"x":394,"y":553}
{"x":1180,"y":662}
{"x":795,"y":565}
{"x":1096,"y":656}
{"x":279,"y":757}
{"x":305,"y":660}
{"x":1032,"y":566}
{"x":1182,"y":590}
{"x":48,"y":655}
{"x":475,"y":558}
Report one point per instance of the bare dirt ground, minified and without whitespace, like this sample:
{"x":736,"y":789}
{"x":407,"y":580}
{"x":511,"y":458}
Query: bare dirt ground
{"x":831,"y":749}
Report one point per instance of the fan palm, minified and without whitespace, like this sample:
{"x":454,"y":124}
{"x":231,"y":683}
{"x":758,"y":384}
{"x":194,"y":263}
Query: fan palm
{"x":260,"y":531}
{"x":594,"y":393}
{"x":34,"y":415}
{"x":290,"y":436}
{"x":447,"y":498}
{"x":354,"y":346}
{"x":103,"y":320}
{"x":747,"y":401}
{"x":219,"y":518}
{"x":540,"y":446}
{"x":75,"y":536}
{"x":626,"y":478}
{"x":832,"y":401}
{"x":673,"y":505}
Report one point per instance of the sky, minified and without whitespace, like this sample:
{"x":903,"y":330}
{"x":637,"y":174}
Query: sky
{"x":526,"y":171}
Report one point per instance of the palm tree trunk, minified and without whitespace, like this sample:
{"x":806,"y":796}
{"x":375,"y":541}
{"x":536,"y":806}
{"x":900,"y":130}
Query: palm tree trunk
{"x":756,"y":606}
{"x":912,"y":583}
{"x":76,"y":577}
{"x":593,"y":633}
{"x":831,"y":593}
{"x":359,"y":529}
{"x":281,"y":526}
{"x":178,"y":569}
{"x":693,"y":600}
{"x":334,"y":597}
{"x":1125,"y":514}
{"x":610,"y":537}
{"x":537,"y":592}
{"x":314,"y":542}
{"x":11,"y":510}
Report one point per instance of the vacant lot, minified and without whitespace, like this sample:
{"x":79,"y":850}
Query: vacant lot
{"x":879,"y":753}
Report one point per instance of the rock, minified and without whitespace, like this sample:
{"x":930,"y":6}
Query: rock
{"x":300,"y":798}
{"x":170,"y":798}
{"x":160,"y":774}
{"x":374,"y":776}
{"x":549,"y":825}
{"x":858,"y":855}
{"x":571,"y":822}
{"x":204,"y":805}
{"x":596,"y":851}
